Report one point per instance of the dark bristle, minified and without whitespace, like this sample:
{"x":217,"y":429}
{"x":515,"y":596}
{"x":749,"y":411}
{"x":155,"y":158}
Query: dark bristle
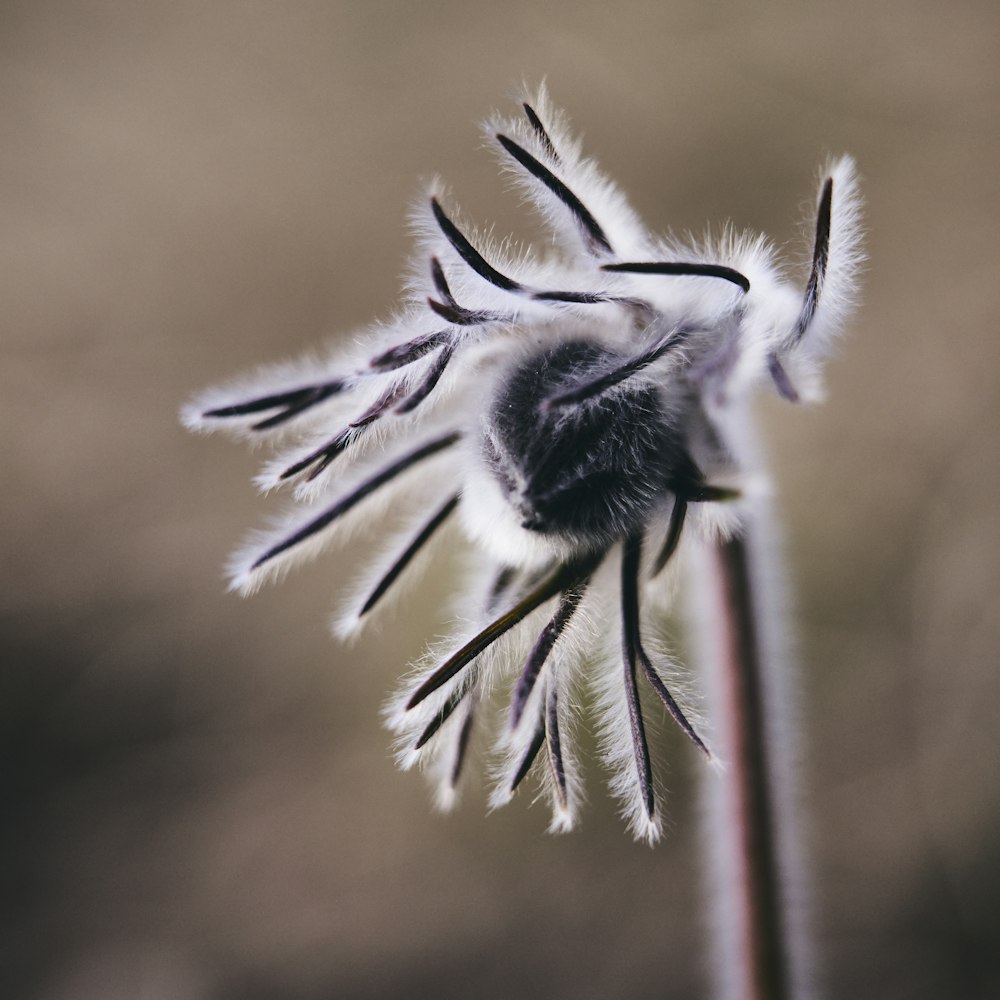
{"x":412,"y":350}
{"x":674,"y":529}
{"x":292,"y":397}
{"x":326,"y":453}
{"x":460,"y":316}
{"x":635,"y":655}
{"x":631,"y":557}
{"x":434,"y":372}
{"x":441,"y":282}
{"x":469,"y":253}
{"x":669,"y":704}
{"x":554,"y":743}
{"x":540,"y":131}
{"x":568,"y":604}
{"x":353,"y":498}
{"x":407,"y":556}
{"x":320,"y":467}
{"x":821,"y":255}
{"x":441,"y":718}
{"x":700,"y":492}
{"x":323,"y":455}
{"x":392,"y":394}
{"x":283,"y":417}
{"x":289,"y":404}
{"x":592,"y":230}
{"x":780,"y":378}
{"x":594,"y":298}
{"x":567,"y":575}
{"x":529,"y":756}
{"x":681,"y":269}
{"x":462,"y":746}
{"x":601,"y":384}
{"x":579,"y":298}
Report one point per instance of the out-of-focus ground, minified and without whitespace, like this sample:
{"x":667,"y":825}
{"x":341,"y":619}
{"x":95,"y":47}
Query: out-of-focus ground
{"x":198,"y":799}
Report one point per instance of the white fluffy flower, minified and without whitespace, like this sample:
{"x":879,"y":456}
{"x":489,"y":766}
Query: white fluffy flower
{"x":551,"y":416}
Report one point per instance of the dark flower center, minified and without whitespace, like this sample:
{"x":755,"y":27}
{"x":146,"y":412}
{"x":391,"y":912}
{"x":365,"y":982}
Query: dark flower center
{"x":592,"y":470}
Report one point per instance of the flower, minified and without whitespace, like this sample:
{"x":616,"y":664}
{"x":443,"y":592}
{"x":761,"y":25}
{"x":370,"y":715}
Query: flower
{"x":558,"y":420}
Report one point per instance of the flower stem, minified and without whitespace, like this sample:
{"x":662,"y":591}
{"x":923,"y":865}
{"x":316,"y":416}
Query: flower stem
{"x":758,"y":952}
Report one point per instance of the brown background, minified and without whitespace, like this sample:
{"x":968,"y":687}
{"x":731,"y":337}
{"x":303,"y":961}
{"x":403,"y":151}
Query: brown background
{"x":198,"y":800}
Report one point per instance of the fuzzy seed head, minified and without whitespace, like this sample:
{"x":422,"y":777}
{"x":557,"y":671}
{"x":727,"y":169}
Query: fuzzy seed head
{"x":567,"y":421}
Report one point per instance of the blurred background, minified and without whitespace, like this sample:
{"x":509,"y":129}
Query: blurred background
{"x":198,"y":800}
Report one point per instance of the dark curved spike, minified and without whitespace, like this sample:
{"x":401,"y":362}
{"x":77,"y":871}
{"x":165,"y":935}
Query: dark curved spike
{"x":821,"y":256}
{"x":578,"y":298}
{"x":290,"y":403}
{"x":441,"y":282}
{"x":441,"y":718}
{"x":568,"y":604}
{"x":594,"y":298}
{"x":529,"y":756}
{"x":460,"y":316}
{"x":469,"y":253}
{"x":683,"y":269}
{"x":624,"y":371}
{"x":434,"y":372}
{"x":586,"y":298}
{"x":656,"y":682}
{"x":360,"y":493}
{"x":327,"y":452}
{"x":780,"y":378}
{"x":631,"y":556}
{"x":323,"y":455}
{"x":407,"y":556}
{"x":636,"y":654}
{"x":462,"y":746}
{"x":699,"y":492}
{"x":554,"y":743}
{"x":543,"y":136}
{"x":391,"y":394}
{"x":412,"y":350}
{"x":674,"y":529}
{"x":566,"y":576}
{"x":592,"y":230}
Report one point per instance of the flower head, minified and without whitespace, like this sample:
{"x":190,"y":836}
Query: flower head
{"x":559,"y":420}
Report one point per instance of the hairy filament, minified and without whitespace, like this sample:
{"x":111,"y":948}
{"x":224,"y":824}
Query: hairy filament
{"x":363,"y":491}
